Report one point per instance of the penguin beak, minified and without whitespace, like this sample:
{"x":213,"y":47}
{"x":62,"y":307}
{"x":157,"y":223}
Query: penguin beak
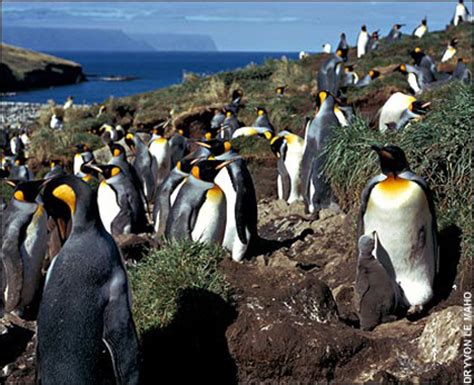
{"x":94,"y":167}
{"x":193,"y":162}
{"x":202,"y":144}
{"x":225,"y":164}
{"x":426,"y":105}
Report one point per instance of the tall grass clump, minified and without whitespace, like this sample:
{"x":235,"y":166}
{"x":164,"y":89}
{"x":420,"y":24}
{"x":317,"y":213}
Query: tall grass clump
{"x":160,"y":278}
{"x":438,"y":148}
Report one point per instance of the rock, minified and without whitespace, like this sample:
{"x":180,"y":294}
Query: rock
{"x":441,"y":339}
{"x":280,"y":260}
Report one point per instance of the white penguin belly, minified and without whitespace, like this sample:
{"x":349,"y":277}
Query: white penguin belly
{"x":362,"y":44}
{"x":211,"y":218}
{"x":448,"y":54}
{"x":398,"y":216}
{"x":175,"y":193}
{"x":413,"y":83}
{"x":32,"y":252}
{"x":160,"y":151}
{"x":293,"y":162}
{"x":279,"y":187}
{"x":78,"y":161}
{"x":108,"y":205}
{"x":420,"y":31}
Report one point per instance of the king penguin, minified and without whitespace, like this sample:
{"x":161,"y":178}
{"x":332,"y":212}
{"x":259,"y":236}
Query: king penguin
{"x":143,"y":164}
{"x":86,"y":305}
{"x":199,"y":211}
{"x":19,"y":170}
{"x":450,"y":50}
{"x":160,"y":151}
{"x":330,"y":74}
{"x":399,"y":110}
{"x":367,"y":79}
{"x":395,"y":33}
{"x":317,"y":191}
{"x":362,"y":42}
{"x":378,"y":297}
{"x":461,"y":13}
{"x":82,"y":155}
{"x":229,"y":125}
{"x":120,"y":203}
{"x":289,"y":149}
{"x":421,"y":29}
{"x":24,"y":243}
{"x":56,"y":169}
{"x":262,"y":120}
{"x":399,"y":207}
{"x":343,"y":47}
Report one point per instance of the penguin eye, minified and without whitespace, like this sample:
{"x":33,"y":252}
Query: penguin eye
{"x":19,"y":196}
{"x":66,"y":194}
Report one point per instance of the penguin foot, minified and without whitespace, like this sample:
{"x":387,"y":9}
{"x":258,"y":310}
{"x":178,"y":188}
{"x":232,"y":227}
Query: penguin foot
{"x":415,"y":309}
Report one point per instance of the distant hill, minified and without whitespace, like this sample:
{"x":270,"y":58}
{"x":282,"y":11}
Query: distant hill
{"x":22,"y":69}
{"x":82,"y":39}
{"x":177,"y":42}
{"x":72,"y":39}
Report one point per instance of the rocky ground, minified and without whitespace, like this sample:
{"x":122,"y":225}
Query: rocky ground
{"x":293,"y":320}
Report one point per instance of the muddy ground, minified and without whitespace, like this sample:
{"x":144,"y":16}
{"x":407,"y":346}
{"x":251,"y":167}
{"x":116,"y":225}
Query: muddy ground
{"x":293,"y":320}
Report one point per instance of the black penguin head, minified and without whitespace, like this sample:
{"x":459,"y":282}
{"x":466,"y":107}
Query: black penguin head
{"x":419,"y":107}
{"x":364,"y":28}
{"x":424,"y":21}
{"x":261,"y":111}
{"x":374,"y":74}
{"x":216,"y":146}
{"x":454,"y":42}
{"x":67,"y":195}
{"x":208,"y":169}
{"x":280,"y":90}
{"x":417,"y":54}
{"x":108,"y":170}
{"x":401,"y":68}
{"x":55,"y":162}
{"x":343,"y":36}
{"x":228,"y":113}
{"x":398,"y":26}
{"x":81,"y":147}
{"x":321,"y":97}
{"x":26,"y":191}
{"x":392,"y":159}
{"x":276,"y":143}
{"x":237,"y":94}
{"x":349,"y":68}
{"x":185,"y":165}
{"x":159,"y":129}
{"x":375,"y":35}
{"x":20,"y":160}
{"x":116,"y":150}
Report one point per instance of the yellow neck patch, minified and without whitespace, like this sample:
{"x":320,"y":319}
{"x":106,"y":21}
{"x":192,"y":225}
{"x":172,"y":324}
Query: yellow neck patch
{"x":87,"y":178}
{"x":215,"y":194}
{"x":393,"y":186}
{"x":67,"y":195}
{"x":195,"y":172}
{"x":19,"y":196}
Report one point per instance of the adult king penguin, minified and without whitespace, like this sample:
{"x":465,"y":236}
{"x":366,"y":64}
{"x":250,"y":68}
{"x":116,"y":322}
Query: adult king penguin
{"x":317,"y":191}
{"x":86,"y":304}
{"x":24,"y":242}
{"x":262,"y":119}
{"x":160,"y":151}
{"x":343,"y":47}
{"x":82,"y":155}
{"x":450,"y":50}
{"x":421,"y":29}
{"x":199,"y":211}
{"x":362,"y":42}
{"x":289,"y":149}
{"x":461,"y":13}
{"x":395,"y":33}
{"x":398,"y":206}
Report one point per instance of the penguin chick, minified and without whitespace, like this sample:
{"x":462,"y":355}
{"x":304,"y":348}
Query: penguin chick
{"x":398,"y":205}
{"x":378,"y":296}
{"x":450,"y":50}
{"x":199,"y":211}
{"x":86,"y":305}
{"x":24,"y":242}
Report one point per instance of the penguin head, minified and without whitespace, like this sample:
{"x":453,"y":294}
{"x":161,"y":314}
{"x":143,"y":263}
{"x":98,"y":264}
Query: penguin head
{"x":419,"y":107}
{"x":366,"y":245}
{"x":108,"y":171}
{"x":463,"y":60}
{"x":349,"y":68}
{"x":236,"y":94}
{"x":208,"y":169}
{"x":364,"y":28}
{"x":392,"y":159}
{"x":280,"y":90}
{"x":81,"y":148}
{"x":26,"y":191}
{"x":374,"y":74}
{"x":417,"y":54}
{"x":276,"y":143}
{"x":343,"y":36}
{"x":321,"y":97}
{"x":261,"y":111}
{"x":20,"y":160}
{"x":185,"y":165}
{"x":68,"y":195}
{"x":424,"y":21}
{"x":159,"y":129}
{"x":454,"y":42}
{"x":215,"y":146}
{"x":55,"y":162}
{"x":116,"y":150}
{"x":228,"y":113}
{"x":398,"y":26}
{"x":402,"y":68}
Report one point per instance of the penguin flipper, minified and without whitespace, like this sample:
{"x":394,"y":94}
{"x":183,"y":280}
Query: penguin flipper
{"x":119,"y":333}
{"x":285,"y":179}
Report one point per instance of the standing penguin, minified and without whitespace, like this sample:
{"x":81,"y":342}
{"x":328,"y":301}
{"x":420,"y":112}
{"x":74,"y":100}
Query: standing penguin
{"x":395,"y":33}
{"x":262,"y":120}
{"x":330,"y":74}
{"x":461,"y":13}
{"x":317,"y":191}
{"x":56,"y":169}
{"x":350,"y":77}
{"x":199,"y":211}
{"x":398,"y":205}
{"x":450,"y":50}
{"x":378,"y":296}
{"x":421,"y":29}
{"x":17,"y":146}
{"x":343,"y":47}
{"x":179,"y":145}
{"x":160,"y":151}
{"x":120,"y":203}
{"x":24,"y":242}
{"x":229,"y":125}
{"x":362,"y":42}
{"x":416,"y":77}
{"x":82,"y":155}
{"x":86,"y":305}
{"x":398,"y":110}
{"x":143,"y":164}
{"x":289,"y":149}
{"x":19,"y":170}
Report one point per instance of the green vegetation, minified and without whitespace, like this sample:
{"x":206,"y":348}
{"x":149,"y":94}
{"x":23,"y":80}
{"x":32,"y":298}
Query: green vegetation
{"x":160,"y":278}
{"x":438,"y":148}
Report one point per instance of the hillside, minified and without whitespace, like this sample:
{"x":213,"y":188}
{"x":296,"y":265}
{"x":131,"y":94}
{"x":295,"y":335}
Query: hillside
{"x":23,"y":69}
{"x":287,"y":314}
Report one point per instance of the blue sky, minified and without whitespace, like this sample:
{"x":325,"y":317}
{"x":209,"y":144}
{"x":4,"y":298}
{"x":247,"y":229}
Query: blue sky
{"x":250,"y":26}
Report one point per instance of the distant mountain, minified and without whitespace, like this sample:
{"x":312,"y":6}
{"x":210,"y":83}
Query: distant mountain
{"x":72,"y":39}
{"x":177,"y":42}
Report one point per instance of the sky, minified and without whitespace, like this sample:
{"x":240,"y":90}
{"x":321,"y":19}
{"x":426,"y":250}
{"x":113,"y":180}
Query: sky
{"x":244,"y":26}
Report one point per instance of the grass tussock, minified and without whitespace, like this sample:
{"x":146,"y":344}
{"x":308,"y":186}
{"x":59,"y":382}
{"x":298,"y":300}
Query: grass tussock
{"x":438,"y":148}
{"x":160,"y":278}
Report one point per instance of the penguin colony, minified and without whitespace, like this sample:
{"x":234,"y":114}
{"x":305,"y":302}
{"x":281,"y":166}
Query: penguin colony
{"x":201,"y":190}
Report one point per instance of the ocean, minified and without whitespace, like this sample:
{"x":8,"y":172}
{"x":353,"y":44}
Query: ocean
{"x":152,"y":70}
